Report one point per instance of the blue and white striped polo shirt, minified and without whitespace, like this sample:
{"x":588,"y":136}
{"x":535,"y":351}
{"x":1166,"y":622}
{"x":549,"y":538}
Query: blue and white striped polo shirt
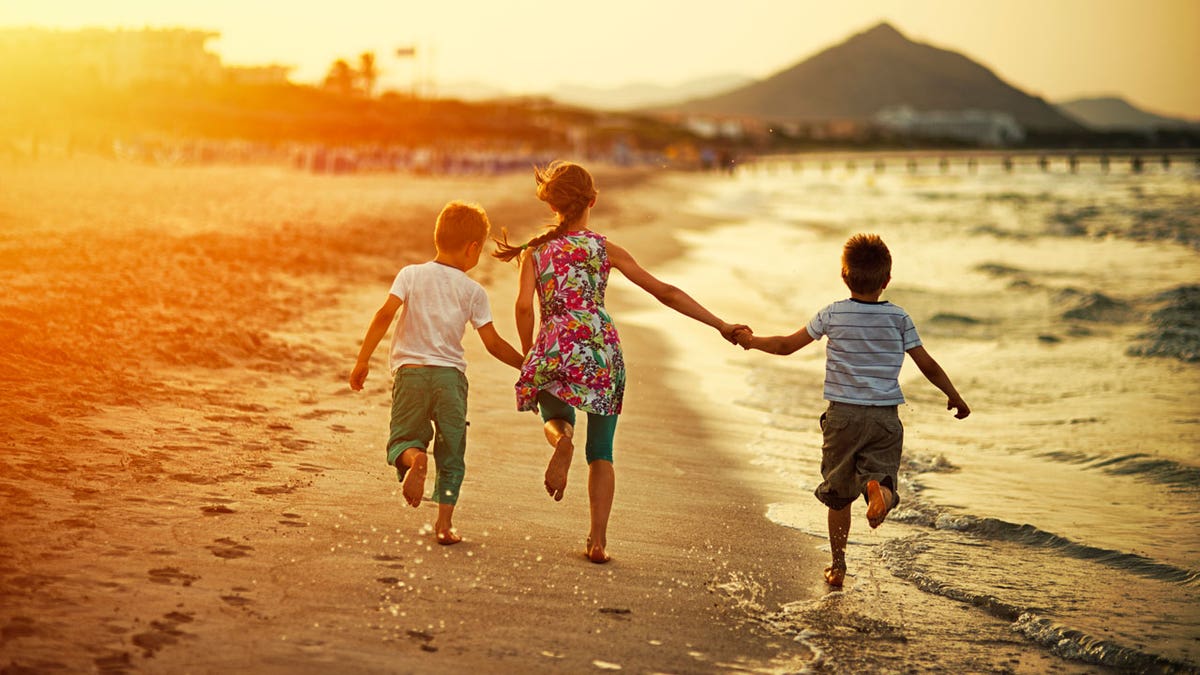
{"x":867,"y":342}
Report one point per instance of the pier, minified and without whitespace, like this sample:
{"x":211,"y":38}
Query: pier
{"x":971,"y":161}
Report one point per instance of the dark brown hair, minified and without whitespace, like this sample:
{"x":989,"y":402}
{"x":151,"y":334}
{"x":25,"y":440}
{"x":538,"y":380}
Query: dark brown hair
{"x":866,"y":263}
{"x":568,"y":189}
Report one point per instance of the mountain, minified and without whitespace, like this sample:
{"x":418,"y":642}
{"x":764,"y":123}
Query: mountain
{"x":644,"y":95}
{"x":1111,"y":113}
{"x":877,"y":69}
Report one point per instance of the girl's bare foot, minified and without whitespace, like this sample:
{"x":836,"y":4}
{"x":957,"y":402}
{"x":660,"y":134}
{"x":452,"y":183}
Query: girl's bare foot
{"x":560,"y":463}
{"x":448,"y":537}
{"x":835,"y":576}
{"x":414,"y":481}
{"x":595,"y":552}
{"x":878,"y":503}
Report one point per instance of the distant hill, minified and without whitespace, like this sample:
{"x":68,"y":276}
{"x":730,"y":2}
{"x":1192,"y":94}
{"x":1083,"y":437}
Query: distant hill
{"x":1112,"y":113}
{"x":627,"y":97}
{"x":877,"y":69}
{"x":643,"y":95}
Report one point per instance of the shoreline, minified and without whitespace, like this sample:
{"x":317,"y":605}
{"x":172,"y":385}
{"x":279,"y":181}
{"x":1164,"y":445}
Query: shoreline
{"x":234,"y":509}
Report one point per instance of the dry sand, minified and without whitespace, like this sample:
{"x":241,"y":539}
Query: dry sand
{"x":189,"y":485}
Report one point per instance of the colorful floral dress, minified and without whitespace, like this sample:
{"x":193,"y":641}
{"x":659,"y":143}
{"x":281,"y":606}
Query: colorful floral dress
{"x":577,"y":353}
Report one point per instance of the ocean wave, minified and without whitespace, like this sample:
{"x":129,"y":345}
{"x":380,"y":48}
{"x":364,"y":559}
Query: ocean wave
{"x":1029,"y":535}
{"x":1175,"y":327}
{"x":909,"y":559}
{"x":1169,"y":220}
{"x":1138,"y":465}
{"x":1096,"y":307}
{"x":1077,"y":645}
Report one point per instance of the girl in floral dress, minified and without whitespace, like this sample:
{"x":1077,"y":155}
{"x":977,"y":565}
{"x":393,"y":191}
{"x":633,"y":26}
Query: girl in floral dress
{"x":575,"y":361}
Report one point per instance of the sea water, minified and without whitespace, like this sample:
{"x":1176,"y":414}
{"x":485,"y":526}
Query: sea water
{"x":1066,"y":308}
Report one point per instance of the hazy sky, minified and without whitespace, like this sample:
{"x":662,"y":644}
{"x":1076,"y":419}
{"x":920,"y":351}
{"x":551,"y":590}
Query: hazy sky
{"x":1145,"y":50}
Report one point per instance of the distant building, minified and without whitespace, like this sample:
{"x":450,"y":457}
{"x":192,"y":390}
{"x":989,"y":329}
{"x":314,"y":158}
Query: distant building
{"x":715,"y":127}
{"x":257,"y":75}
{"x":983,"y":127}
{"x":121,"y":58}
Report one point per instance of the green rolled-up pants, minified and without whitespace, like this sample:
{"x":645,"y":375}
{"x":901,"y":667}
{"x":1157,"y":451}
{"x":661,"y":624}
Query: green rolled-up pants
{"x":429,"y":403}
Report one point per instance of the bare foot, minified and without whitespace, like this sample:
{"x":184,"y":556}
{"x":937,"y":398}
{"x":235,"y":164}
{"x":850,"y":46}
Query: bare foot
{"x":414,"y":481}
{"x":595,"y":552}
{"x":448,"y":537}
{"x":560,"y":463}
{"x":877,"y":505}
{"x":835,"y":576}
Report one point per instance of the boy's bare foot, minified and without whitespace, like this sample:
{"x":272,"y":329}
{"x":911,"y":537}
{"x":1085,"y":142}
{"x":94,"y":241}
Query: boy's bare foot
{"x":560,"y":463}
{"x":595,"y":552}
{"x":414,"y":481}
{"x":877,"y":504}
{"x":835,"y":576}
{"x":448,"y":537}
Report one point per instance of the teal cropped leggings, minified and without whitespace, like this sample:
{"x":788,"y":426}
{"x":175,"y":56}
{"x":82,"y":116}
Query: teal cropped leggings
{"x":601,"y":429}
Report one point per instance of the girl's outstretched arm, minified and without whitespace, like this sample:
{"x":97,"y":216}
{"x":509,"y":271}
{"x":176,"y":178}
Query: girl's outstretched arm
{"x":524,"y":307}
{"x":671,"y":296}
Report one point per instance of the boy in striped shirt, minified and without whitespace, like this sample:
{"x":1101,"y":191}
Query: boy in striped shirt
{"x":863,"y":437}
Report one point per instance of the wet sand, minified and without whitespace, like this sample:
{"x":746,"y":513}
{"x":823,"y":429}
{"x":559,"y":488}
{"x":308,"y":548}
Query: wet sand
{"x":188,"y":483}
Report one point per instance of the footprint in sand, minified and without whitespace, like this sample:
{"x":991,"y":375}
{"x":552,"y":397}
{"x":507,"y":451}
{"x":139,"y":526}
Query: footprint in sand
{"x":118,"y":662}
{"x":275,"y":490}
{"x":169,"y":575}
{"x":392,"y":559}
{"x":163,"y":632}
{"x":194,"y":479}
{"x":236,"y":600}
{"x":228,"y":548}
{"x":18,"y":627}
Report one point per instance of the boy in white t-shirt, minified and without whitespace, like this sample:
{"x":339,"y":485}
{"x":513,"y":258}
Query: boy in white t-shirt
{"x":429,"y":388}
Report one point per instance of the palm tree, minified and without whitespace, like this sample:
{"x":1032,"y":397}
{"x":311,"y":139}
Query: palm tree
{"x":340,"y":78}
{"x":368,"y":72}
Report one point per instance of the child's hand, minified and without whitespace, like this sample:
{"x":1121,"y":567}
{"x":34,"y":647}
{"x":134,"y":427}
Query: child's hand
{"x":743,"y":336}
{"x":359,"y":375}
{"x":959,"y":406}
{"x":730,"y":330}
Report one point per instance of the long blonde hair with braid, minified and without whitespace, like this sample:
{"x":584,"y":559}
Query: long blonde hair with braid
{"x":569,"y":190}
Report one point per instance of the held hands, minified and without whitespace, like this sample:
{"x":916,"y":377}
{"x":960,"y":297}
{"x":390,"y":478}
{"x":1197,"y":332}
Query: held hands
{"x":730,"y":331}
{"x":743,"y":336}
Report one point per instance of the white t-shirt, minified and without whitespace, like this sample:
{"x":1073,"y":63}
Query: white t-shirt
{"x":867,"y":343}
{"x":439,"y":301}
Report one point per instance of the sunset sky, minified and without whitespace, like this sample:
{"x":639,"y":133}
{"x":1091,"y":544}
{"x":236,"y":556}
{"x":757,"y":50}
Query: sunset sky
{"x":1146,"y":51}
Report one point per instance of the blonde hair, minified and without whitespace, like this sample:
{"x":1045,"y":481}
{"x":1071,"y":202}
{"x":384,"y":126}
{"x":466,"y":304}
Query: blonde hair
{"x":459,"y":224}
{"x":866,"y":263}
{"x":569,"y":190}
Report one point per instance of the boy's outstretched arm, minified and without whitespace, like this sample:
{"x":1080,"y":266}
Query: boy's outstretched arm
{"x":499,"y":347}
{"x":375,"y":332}
{"x":774,"y":344}
{"x":671,"y":296}
{"x":934,"y":373}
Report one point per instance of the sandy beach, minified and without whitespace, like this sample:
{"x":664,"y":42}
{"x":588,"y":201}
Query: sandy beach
{"x":189,"y":485}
